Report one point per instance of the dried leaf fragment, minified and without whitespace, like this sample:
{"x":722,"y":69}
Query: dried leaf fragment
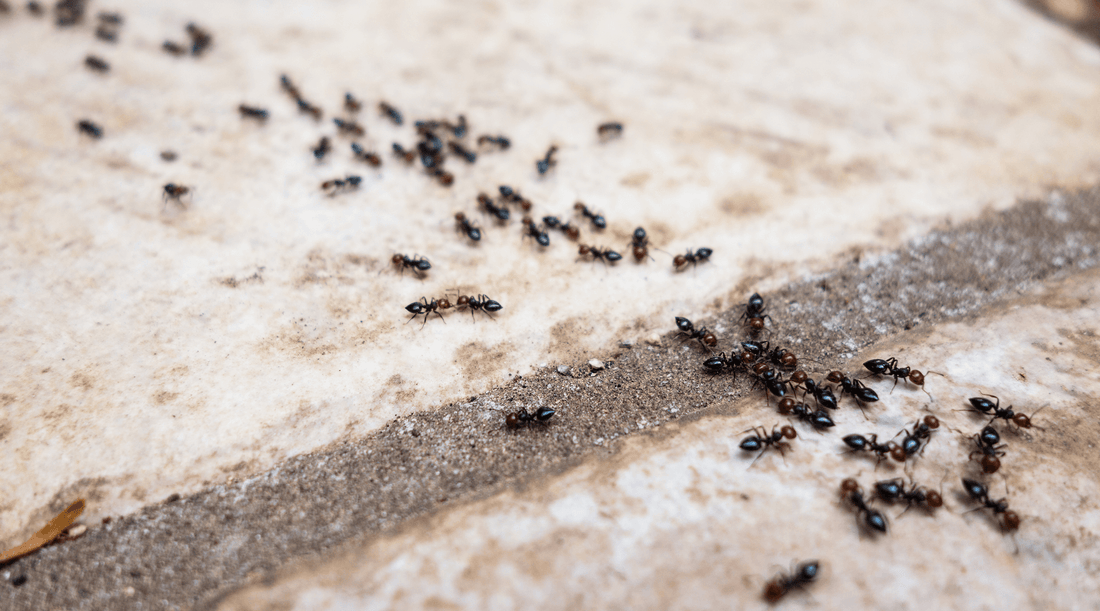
{"x":48,"y":533}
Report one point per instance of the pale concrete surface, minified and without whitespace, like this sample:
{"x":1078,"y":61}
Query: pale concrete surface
{"x":678,"y":519}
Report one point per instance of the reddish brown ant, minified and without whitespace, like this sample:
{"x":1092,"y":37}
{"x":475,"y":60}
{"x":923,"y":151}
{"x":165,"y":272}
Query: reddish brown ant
{"x":602,"y":254}
{"x":96,"y":64}
{"x":419,"y":265}
{"x":391,"y":112}
{"x":754,"y":312}
{"x":989,"y":450}
{"x":706,"y":338}
{"x":607,"y":131}
{"x":252,"y":112}
{"x":598,"y":221}
{"x":987,"y":407}
{"x":425,"y":308}
{"x":515,"y":419}
{"x":543,"y":165}
{"x":799,"y":578}
{"x":369,"y":157}
{"x":465,"y":226}
{"x":852,"y":494}
{"x":893,"y":490}
{"x":640,"y":243}
{"x":889,"y":367}
{"x":479,"y":303}
{"x":532,"y":230}
{"x":701,"y":255}
{"x":914,"y":443}
{"x":762,"y":440}
{"x":977,"y":491}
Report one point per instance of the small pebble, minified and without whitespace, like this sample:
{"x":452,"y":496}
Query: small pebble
{"x":653,"y":340}
{"x":596,"y":364}
{"x":77,"y":530}
{"x":129,"y":591}
{"x":563,"y":370}
{"x":627,"y":343}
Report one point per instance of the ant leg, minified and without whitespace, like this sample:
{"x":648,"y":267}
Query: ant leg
{"x":757,"y":457}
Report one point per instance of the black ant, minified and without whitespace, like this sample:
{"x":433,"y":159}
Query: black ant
{"x":488,"y":206}
{"x":336,"y":185}
{"x":640,"y":242}
{"x":252,"y":112}
{"x":200,"y":39}
{"x":781,"y":584}
{"x":701,"y":255}
{"x":480,"y":302}
{"x":391,"y":112}
{"x":68,"y":12}
{"x":425,"y":308}
{"x":855,"y":388}
{"x":369,"y":157}
{"x":602,"y":254}
{"x":852,"y":494}
{"x":465,"y":226}
{"x":859,"y":443}
{"x":459,"y":128}
{"x":819,"y":419}
{"x":754,"y":312}
{"x":462,"y":151}
{"x":351,"y":104}
{"x":512,"y":196}
{"x":977,"y":491}
{"x":823,"y":394}
{"x":705,"y":337}
{"x":173,"y":48}
{"x":309,"y":109}
{"x":531,"y":230}
{"x":568,"y":229}
{"x":893,"y":490}
{"x":419,"y":265}
{"x":400,"y":151}
{"x":174,"y":193}
{"x":168,"y":155}
{"x":515,"y":419}
{"x":889,"y":367}
{"x":989,"y":450}
{"x":987,"y":407}
{"x":106,"y":33}
{"x":499,"y":141}
{"x":349,"y":127}
{"x":609,"y":130}
{"x":97,"y":64}
{"x":757,"y":349}
{"x":720,"y":361}
{"x":915,"y":442}
{"x":762,"y":440}
{"x":543,"y":165}
{"x":91,"y":129}
{"x":598,"y":221}
{"x":323,"y":147}
{"x":769,"y":378}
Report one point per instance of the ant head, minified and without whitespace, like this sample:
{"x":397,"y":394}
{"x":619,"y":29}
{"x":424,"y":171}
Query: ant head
{"x":584,"y":250}
{"x":679,"y":260}
{"x":798,"y":377}
{"x":849,"y":486}
{"x":1022,"y":420}
{"x":933,"y":499}
{"x":1011,"y":520}
{"x":785,"y":405}
{"x":756,"y":323}
{"x":788,"y":432}
{"x":898,"y":454}
{"x":459,"y":216}
{"x":835,"y":377}
{"x":990,"y":464}
{"x":916,"y":377}
{"x":444,"y":304}
{"x":932,"y":422}
{"x":639,"y":234}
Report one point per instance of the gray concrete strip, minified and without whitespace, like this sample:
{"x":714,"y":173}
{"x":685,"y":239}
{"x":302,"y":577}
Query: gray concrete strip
{"x":191,"y":552}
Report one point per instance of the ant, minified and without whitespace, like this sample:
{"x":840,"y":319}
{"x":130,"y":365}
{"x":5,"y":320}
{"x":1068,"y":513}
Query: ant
{"x":91,"y":129}
{"x":852,"y":493}
{"x":334,"y":186}
{"x":97,"y":64}
{"x":424,"y":308}
{"x":370,"y":157}
{"x":597,"y":219}
{"x":323,"y":147}
{"x":889,"y":367}
{"x":914,"y":443}
{"x":770,"y":379}
{"x":568,"y":229}
{"x":168,"y":155}
{"x":487,"y":205}
{"x":818,"y":419}
{"x":252,"y":112}
{"x":309,"y":109}
{"x":608,"y":131}
{"x":33,"y":8}
{"x":756,"y":349}
{"x":462,"y":151}
{"x":987,"y":407}
{"x":705,"y":337}
{"x":419,"y":265}
{"x":400,"y":151}
{"x":351,"y":104}
{"x":892,"y":490}
{"x":391,"y":112}
{"x":1010,"y":520}
{"x":679,"y":262}
{"x":823,"y":394}
{"x":465,"y":226}
{"x":543,"y":165}
{"x":857,"y":389}
{"x":480,"y":302}
{"x":200,"y":39}
{"x":859,"y":443}
{"x":754,"y":312}
{"x":602,"y":254}
{"x":515,"y":419}
{"x":459,"y":129}
{"x":173,"y":193}
{"x":511,"y":195}
{"x":289,"y":87}
{"x":499,"y":141}
{"x":988,"y":449}
{"x":531,"y":230}
{"x":106,"y":33}
{"x":720,"y":361}
{"x":444,"y":177}
{"x":762,"y":440}
{"x":349,"y":127}
{"x":173,"y":48}
{"x":640,"y":242}
{"x":781,"y":357}
{"x":781,"y":584}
